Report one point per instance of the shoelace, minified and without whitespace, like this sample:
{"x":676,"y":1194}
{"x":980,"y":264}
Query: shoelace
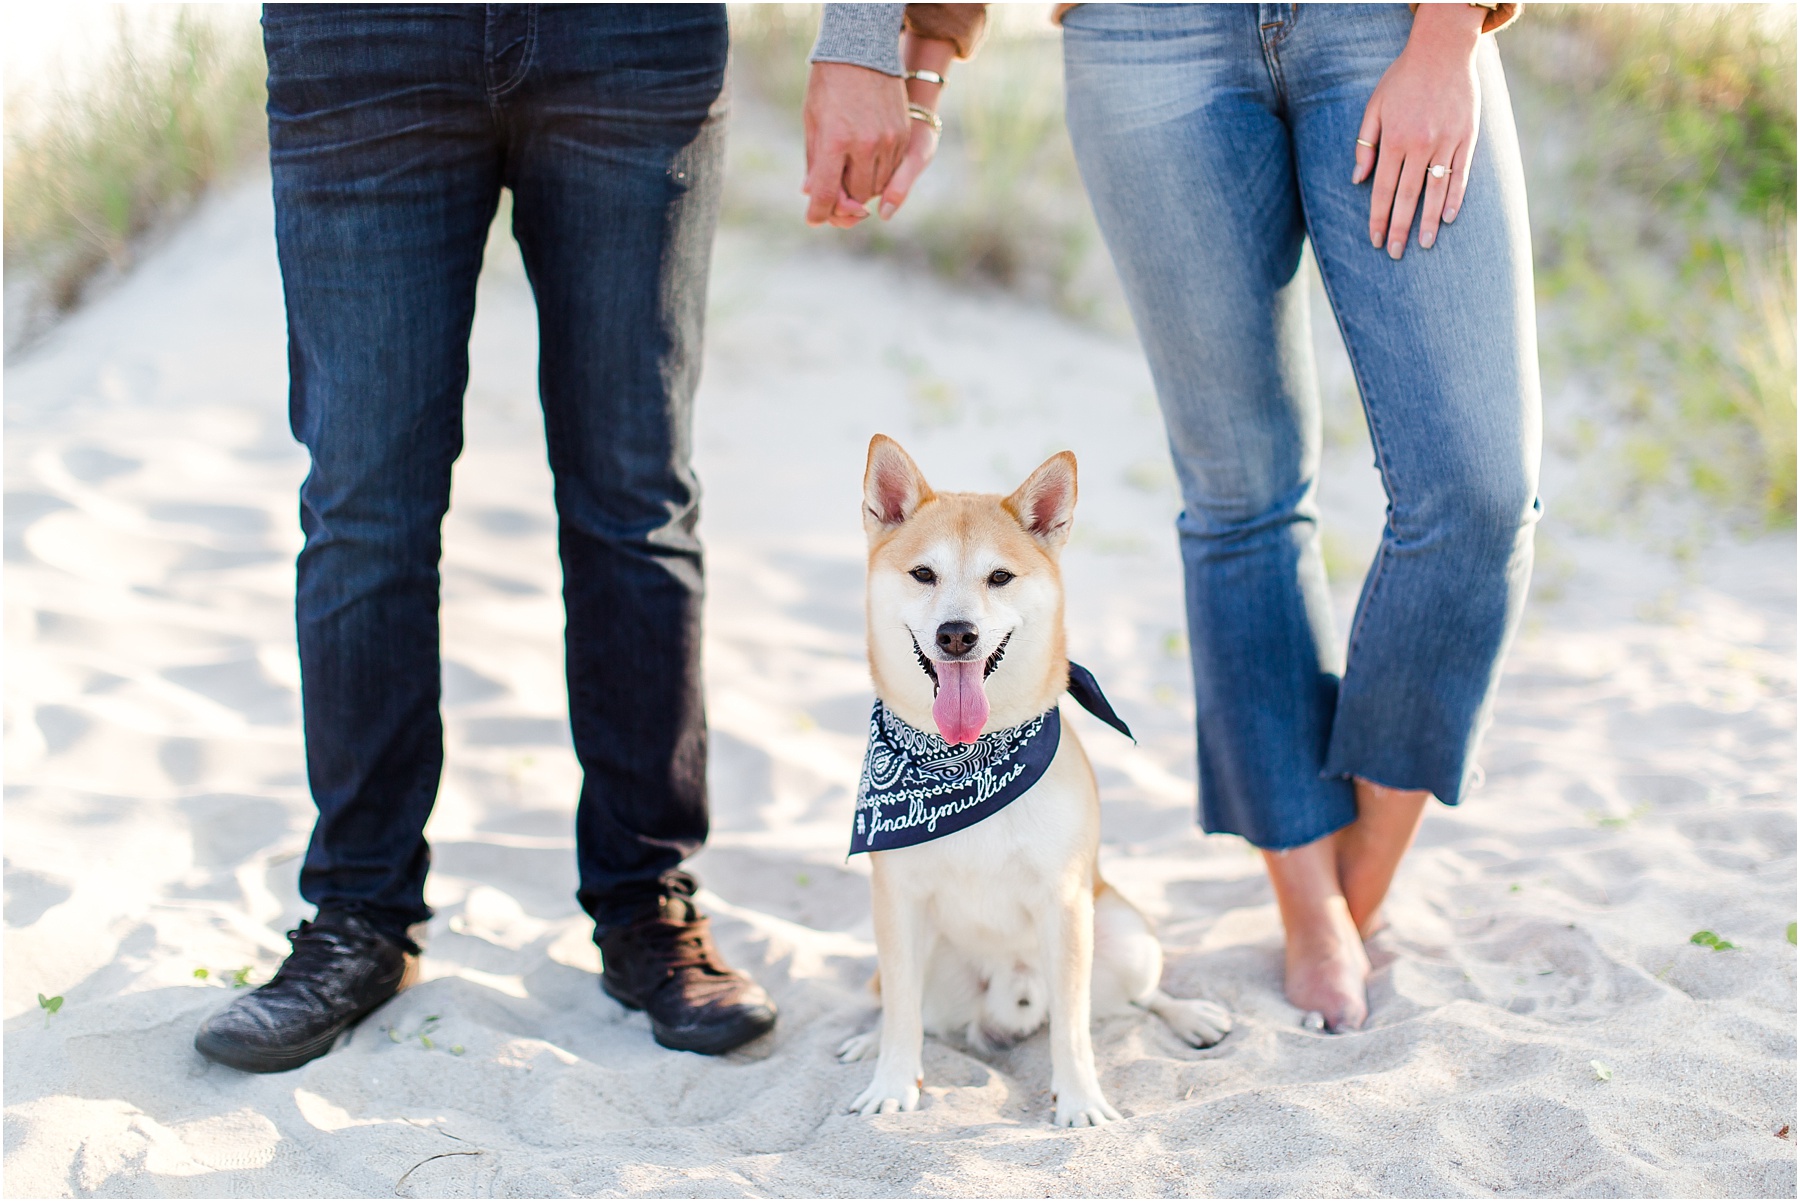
{"x":317,"y":953}
{"x":691,"y":949}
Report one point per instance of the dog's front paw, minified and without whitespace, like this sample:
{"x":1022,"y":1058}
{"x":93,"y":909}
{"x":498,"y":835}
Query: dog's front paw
{"x":886,"y":1096}
{"x":1084,"y":1109}
{"x":860,"y":1047}
{"x":1199,"y":1023}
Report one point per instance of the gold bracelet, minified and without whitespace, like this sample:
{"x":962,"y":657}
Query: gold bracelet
{"x":925,"y":76}
{"x":919,"y":112}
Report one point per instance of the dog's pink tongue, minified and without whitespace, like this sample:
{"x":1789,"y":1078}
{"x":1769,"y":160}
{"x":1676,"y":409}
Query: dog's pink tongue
{"x":961,"y":707}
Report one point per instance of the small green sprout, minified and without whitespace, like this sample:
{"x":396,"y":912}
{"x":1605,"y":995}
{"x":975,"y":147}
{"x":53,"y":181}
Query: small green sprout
{"x":1615,"y":822}
{"x":456,"y":1049}
{"x":201,"y":973}
{"x":426,"y":1026}
{"x":1601,"y":1071}
{"x":1515,"y":887}
{"x":1708,"y":939}
{"x":49,"y":1005}
{"x":241,"y":978}
{"x":802,"y":880}
{"x":1791,"y":932}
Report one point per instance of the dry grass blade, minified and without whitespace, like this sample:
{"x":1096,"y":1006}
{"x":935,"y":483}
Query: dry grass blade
{"x":428,"y":1160}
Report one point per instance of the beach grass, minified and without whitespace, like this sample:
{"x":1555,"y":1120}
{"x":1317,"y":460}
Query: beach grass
{"x":108,"y":154}
{"x":1663,"y":216}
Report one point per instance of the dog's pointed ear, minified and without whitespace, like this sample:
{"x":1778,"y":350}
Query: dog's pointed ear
{"x":893,"y":486}
{"x":1045,"y":503}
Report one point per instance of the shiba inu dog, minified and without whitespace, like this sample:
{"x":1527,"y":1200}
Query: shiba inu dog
{"x":979,"y":811}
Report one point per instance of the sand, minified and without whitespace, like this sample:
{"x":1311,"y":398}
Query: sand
{"x":1640,"y":787}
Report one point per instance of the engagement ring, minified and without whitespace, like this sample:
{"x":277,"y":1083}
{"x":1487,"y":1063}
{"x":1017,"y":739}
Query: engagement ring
{"x":1438,"y":170}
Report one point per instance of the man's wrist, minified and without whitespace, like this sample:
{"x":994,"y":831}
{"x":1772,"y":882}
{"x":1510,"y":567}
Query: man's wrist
{"x":1451,"y":27}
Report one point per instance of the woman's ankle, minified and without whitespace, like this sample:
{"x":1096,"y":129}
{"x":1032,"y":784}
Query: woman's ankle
{"x":1369,"y":850}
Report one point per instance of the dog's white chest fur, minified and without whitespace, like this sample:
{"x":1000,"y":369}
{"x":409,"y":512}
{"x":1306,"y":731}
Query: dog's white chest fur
{"x":983,"y":882}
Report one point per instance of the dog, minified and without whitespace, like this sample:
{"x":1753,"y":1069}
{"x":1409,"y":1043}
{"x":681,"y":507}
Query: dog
{"x":988,"y":920}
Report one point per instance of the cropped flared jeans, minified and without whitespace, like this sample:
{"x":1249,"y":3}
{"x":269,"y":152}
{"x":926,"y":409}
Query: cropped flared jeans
{"x":392,"y":130}
{"x":1215,"y":141}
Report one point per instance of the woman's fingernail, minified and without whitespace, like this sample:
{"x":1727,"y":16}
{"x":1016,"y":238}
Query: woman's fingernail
{"x":888,"y":209}
{"x":1449,"y":214}
{"x":1395,"y":249}
{"x":1425,"y":241}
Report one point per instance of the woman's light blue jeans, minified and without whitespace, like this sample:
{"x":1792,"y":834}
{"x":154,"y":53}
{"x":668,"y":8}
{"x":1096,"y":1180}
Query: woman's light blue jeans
{"x":1215,"y":139}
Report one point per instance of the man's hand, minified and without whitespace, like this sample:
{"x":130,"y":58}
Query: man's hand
{"x":857,"y":133}
{"x":1425,"y":112}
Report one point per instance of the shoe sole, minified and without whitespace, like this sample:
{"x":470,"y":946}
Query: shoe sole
{"x":713,"y":1042}
{"x":251,"y":1060}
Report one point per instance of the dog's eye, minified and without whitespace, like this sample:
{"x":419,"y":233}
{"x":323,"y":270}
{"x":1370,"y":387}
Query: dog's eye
{"x":999,"y":576}
{"x":923,"y":575}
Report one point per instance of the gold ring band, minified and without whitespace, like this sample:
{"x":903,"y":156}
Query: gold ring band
{"x":1364,"y":142}
{"x":919,"y":112}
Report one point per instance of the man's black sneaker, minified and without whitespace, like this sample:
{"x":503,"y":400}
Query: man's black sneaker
{"x":666,"y":965}
{"x":341,"y":968}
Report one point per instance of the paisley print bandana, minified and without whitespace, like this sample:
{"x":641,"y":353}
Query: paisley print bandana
{"x":917,"y":787}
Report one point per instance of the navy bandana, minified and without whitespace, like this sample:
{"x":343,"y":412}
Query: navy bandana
{"x":917,"y":787}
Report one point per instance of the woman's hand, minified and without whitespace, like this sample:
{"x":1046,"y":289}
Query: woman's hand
{"x":1425,"y":112}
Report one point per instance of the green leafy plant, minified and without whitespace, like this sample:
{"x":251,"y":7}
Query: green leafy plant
{"x":49,"y":1005}
{"x":1708,"y":939}
{"x":1601,"y":1071}
{"x":1790,"y":932}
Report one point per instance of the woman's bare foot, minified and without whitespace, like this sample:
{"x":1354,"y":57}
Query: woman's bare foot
{"x":1328,"y":973}
{"x":1327,"y":969}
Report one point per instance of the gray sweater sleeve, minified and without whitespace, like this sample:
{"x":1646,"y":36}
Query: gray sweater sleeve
{"x":864,"y":35}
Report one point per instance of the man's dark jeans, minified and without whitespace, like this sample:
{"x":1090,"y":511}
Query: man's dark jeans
{"x":392,"y":130}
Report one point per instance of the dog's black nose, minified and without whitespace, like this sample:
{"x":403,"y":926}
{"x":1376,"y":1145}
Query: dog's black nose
{"x":957,"y":638}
